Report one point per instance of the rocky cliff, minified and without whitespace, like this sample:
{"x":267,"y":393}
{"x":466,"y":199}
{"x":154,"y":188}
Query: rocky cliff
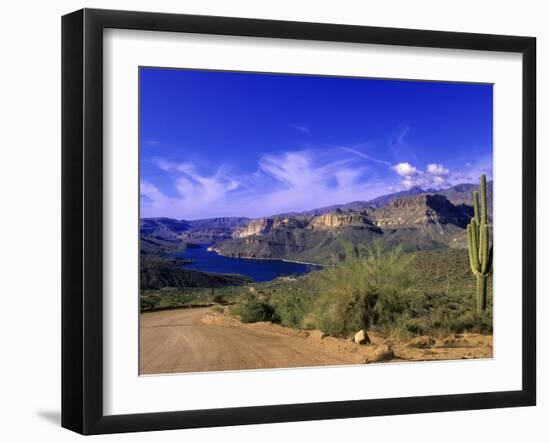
{"x":425,"y":221}
{"x":423,"y":209}
{"x":263,"y":226}
{"x":341,"y":219}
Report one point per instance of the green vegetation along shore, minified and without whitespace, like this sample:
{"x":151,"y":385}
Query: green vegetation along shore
{"x":434,"y":296}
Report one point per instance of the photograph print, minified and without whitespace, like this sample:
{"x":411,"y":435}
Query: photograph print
{"x":292,"y":220}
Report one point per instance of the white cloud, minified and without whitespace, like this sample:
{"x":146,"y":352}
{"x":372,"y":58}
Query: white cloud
{"x":290,"y":181}
{"x":438,"y":176}
{"x":437,"y":169}
{"x":405,"y":169}
{"x":408,"y":183}
{"x":151,"y":191}
{"x":304,"y":180}
{"x":433,"y":177}
{"x":438,"y":181}
{"x":293,"y":169}
{"x":285,"y":182}
{"x":193,"y":190}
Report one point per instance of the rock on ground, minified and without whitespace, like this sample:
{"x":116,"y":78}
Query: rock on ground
{"x":361,"y":338}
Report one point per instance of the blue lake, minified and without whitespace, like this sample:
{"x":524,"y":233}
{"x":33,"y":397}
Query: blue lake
{"x":259,"y":270}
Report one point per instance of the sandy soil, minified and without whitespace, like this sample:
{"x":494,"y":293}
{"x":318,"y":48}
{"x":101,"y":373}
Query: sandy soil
{"x":177,"y":341}
{"x":193,"y":340}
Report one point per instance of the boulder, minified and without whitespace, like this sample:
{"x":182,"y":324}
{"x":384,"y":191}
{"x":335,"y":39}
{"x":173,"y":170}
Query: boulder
{"x":361,"y":338}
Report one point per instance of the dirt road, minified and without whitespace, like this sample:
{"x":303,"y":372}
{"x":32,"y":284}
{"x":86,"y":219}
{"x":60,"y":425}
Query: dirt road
{"x":177,"y":341}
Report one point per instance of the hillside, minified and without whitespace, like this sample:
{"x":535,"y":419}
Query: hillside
{"x":161,"y":246}
{"x":167,"y":237}
{"x":424,"y":221}
{"x":462,"y":195}
{"x":156,"y":273}
{"x":457,"y":195}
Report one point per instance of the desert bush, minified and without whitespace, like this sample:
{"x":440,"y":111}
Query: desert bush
{"x":437,"y":314}
{"x":398,"y":295}
{"x":291,"y":309}
{"x":388,"y":275}
{"x":417,"y":326}
{"x":367,"y":287}
{"x":219,"y":298}
{"x":251,"y":310}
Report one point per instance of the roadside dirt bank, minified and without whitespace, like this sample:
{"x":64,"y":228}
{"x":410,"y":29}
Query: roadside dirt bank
{"x":194,"y":340}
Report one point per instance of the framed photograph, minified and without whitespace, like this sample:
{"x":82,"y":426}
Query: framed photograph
{"x":268,"y":221}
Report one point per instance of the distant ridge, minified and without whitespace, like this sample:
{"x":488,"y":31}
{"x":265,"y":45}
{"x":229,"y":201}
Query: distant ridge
{"x":165,"y":236}
{"x":457,"y":194}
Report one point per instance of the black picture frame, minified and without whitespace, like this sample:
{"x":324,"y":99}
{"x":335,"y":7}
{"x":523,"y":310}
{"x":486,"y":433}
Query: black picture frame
{"x":82,"y":218}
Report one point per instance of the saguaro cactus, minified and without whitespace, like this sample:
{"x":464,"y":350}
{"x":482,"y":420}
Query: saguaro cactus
{"x":479,"y":249}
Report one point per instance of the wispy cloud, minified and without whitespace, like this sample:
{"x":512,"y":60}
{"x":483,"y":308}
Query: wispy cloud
{"x":290,"y":181}
{"x":365,"y":156}
{"x":284,"y":182}
{"x":400,"y":147}
{"x":302,"y":128}
{"x":400,"y":137}
{"x":152,"y":193}
{"x":151,"y":142}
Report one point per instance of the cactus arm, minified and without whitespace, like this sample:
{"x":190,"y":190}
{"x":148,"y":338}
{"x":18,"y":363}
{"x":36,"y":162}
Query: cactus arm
{"x":480,"y":252}
{"x":484,"y":248}
{"x":483,"y":200}
{"x":475,"y":247}
{"x":476,"y":206}
{"x":475,"y":238}
{"x":490,"y":260}
{"x":472,"y":249}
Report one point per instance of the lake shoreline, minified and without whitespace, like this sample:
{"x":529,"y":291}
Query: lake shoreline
{"x":207,"y":259}
{"x":210,"y":249}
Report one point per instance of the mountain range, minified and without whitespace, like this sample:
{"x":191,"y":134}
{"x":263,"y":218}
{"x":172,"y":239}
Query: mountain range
{"x":416,"y":219}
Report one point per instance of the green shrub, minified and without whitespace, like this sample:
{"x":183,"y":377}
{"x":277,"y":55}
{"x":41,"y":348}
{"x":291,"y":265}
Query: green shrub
{"x":219,"y":298}
{"x":252,"y":310}
{"x":437,"y":314}
{"x":291,"y":308}
{"x":366,"y":288}
{"x":417,"y":326}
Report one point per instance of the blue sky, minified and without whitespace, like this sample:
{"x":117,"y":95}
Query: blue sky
{"x":250,"y":144}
